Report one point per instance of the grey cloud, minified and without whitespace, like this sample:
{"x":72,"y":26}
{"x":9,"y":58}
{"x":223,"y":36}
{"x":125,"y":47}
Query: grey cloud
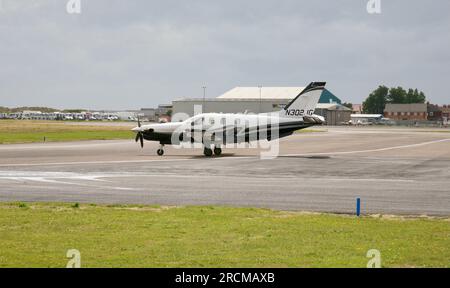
{"x":130,"y":54}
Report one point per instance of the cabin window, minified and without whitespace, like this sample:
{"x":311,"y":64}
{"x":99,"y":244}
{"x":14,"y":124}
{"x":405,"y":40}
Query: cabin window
{"x":197,"y":122}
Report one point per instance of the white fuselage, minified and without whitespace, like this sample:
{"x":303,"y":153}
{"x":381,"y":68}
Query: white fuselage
{"x":216,"y":129}
{"x":228,"y":128}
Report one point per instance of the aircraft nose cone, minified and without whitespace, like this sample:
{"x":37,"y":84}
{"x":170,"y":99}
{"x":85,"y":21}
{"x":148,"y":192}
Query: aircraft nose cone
{"x":136,"y":129}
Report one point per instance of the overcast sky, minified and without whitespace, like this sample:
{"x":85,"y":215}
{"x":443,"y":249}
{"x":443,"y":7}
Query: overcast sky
{"x":121,"y":54}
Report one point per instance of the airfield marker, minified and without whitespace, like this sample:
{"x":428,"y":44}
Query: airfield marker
{"x":358,"y":207}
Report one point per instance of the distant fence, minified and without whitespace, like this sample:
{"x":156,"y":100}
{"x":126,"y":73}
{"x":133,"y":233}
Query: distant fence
{"x":422,"y":123}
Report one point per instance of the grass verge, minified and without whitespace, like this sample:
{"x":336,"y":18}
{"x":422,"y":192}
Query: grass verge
{"x":39,"y":235}
{"x":15,"y":131}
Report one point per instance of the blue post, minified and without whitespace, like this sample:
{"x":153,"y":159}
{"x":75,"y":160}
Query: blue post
{"x":358,"y":207}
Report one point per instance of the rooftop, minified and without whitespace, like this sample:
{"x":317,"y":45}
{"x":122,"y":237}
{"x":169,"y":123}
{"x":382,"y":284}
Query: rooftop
{"x":332,"y":106}
{"x":417,"y":107}
{"x":228,"y":99}
{"x":366,"y":116}
{"x":281,"y":93}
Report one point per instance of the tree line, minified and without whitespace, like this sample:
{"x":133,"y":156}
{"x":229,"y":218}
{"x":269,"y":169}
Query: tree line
{"x":377,"y":100}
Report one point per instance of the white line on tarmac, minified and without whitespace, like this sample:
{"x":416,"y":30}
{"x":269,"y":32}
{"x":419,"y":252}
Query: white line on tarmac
{"x":226,"y":158}
{"x":52,"y":180}
{"x":271,"y":178}
{"x":56,"y":180}
{"x":371,"y":150}
{"x":114,"y":162}
{"x":90,"y":162}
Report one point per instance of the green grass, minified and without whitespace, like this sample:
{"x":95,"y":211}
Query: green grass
{"x":39,"y":235}
{"x":13,"y":131}
{"x":6,"y":138}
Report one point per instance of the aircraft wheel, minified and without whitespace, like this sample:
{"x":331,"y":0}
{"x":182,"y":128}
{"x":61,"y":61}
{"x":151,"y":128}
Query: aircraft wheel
{"x":218,"y":151}
{"x":160,"y":152}
{"x":208,"y":152}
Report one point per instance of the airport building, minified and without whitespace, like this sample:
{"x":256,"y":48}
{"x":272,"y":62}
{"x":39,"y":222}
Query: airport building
{"x":434,"y":112}
{"x":406,"y":112}
{"x":261,"y":100}
{"x":445,"y":114}
{"x":160,"y":114}
{"x":334,"y":114}
{"x":357,"y":108}
{"x":148,"y":113}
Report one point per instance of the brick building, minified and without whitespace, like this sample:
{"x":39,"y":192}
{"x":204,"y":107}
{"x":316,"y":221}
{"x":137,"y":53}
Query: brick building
{"x":414,"y":112}
{"x":357,"y":108}
{"x":434,"y":112}
{"x":445,"y":111}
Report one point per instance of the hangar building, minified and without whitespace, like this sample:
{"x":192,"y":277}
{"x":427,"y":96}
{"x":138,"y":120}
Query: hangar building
{"x":262,"y":100}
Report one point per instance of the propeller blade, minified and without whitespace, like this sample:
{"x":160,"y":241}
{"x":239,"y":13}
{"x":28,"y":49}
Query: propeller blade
{"x":142,"y":140}
{"x":139,"y":122}
{"x":137,"y":137}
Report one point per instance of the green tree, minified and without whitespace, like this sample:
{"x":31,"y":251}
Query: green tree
{"x":421,"y":98}
{"x":410,"y":96}
{"x":74,"y":110}
{"x":376,"y":101}
{"x":397,"y":95}
{"x":348,"y":105}
{"x":414,"y":96}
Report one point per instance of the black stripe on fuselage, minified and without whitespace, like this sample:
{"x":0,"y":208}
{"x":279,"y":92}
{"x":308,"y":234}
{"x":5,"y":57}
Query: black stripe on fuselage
{"x":284,"y":129}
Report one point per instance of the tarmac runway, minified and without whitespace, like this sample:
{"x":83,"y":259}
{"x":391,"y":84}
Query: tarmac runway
{"x":393,"y":171}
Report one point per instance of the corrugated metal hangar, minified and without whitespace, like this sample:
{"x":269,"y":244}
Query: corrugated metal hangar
{"x":261,"y":100}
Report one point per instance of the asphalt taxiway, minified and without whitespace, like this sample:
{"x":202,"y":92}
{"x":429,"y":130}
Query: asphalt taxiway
{"x":393,"y":171}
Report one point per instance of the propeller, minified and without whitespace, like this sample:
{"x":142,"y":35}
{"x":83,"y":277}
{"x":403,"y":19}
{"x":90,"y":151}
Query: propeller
{"x":140,"y":135}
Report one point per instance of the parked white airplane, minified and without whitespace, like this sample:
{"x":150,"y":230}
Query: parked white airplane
{"x":217,"y":129}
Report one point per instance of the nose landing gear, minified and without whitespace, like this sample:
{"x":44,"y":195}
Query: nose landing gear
{"x":160,"y":151}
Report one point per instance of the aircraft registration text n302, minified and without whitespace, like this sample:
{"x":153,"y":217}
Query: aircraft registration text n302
{"x":299,"y":112}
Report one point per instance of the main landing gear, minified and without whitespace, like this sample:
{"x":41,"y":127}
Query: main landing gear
{"x":208,"y":152}
{"x":217,"y":151}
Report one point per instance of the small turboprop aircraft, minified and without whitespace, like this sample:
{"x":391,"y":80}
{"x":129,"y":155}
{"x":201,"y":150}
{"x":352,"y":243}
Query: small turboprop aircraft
{"x":217,"y":129}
